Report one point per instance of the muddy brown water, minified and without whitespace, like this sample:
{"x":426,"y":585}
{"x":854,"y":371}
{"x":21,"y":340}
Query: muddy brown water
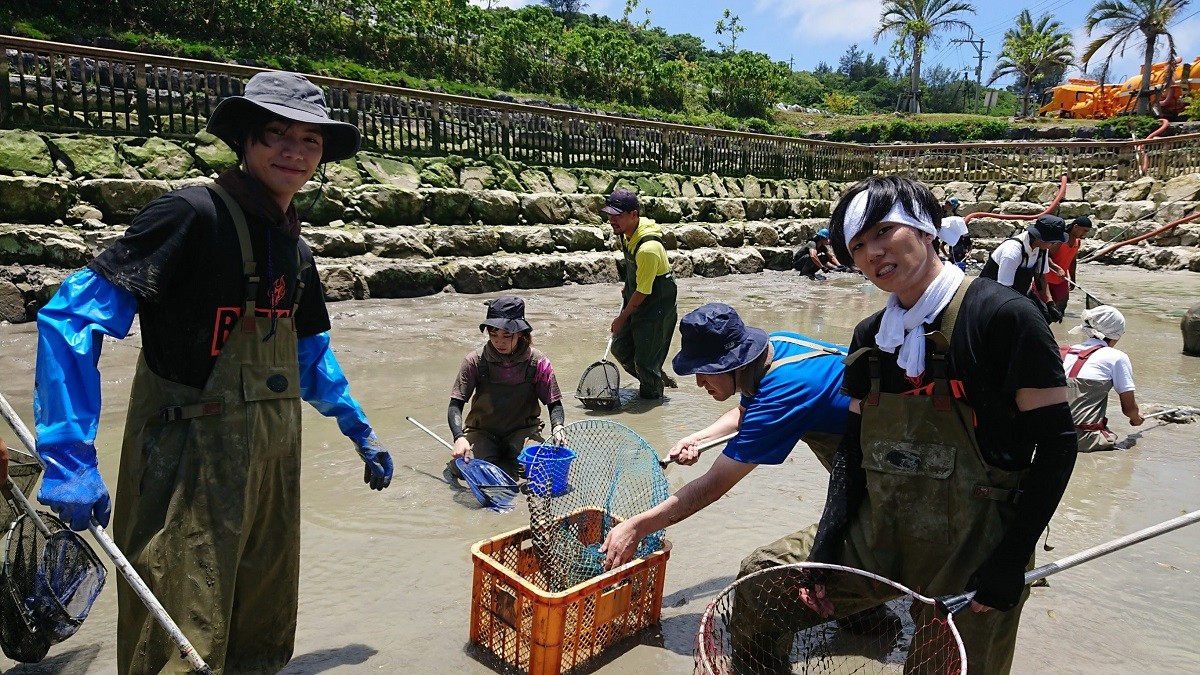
{"x":385,"y":580}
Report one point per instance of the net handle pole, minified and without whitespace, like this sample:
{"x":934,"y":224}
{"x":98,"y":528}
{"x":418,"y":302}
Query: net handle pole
{"x":705,"y":446}
{"x":431,"y":433}
{"x":1172,"y":411}
{"x":607,"y":348}
{"x":953,"y":604}
{"x":186,"y":650}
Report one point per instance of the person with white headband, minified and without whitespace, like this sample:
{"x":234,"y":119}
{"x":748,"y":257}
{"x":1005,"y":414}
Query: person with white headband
{"x":1094,"y":367}
{"x":959,"y":442}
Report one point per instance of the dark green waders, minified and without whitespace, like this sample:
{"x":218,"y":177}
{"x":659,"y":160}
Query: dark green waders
{"x":503,"y":417}
{"x":934,"y":511}
{"x":642,"y":344}
{"x":208,"y":501}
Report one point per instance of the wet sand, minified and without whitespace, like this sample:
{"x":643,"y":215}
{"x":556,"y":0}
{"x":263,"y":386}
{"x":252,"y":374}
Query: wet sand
{"x":386,"y":577}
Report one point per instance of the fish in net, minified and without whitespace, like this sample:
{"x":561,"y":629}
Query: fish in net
{"x":575,"y":498}
{"x":760,"y":624}
{"x":600,"y":385}
{"x":50,"y":577}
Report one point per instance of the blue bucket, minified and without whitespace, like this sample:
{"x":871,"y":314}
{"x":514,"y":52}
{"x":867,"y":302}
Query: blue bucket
{"x":547,"y":464}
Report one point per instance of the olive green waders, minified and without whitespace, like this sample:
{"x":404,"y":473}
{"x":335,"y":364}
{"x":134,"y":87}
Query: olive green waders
{"x":503,"y":417}
{"x":934,"y":511}
{"x":208,"y":501}
{"x":641,"y":346}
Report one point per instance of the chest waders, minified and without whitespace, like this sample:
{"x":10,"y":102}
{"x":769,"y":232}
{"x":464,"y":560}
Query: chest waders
{"x":208,"y":499}
{"x":1024,"y":276}
{"x":1089,"y":403}
{"x":499,"y":409}
{"x":934,"y":510}
{"x":642,"y":344}
{"x":823,"y":444}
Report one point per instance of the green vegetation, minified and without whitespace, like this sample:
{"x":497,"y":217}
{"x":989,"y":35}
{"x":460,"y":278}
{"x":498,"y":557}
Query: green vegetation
{"x":1033,"y":50}
{"x":552,"y":52}
{"x":1127,"y":21}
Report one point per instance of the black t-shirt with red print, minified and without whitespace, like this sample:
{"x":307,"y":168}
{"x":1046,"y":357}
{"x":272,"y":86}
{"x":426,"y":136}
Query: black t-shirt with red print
{"x":182,"y":259}
{"x":1001,"y":343}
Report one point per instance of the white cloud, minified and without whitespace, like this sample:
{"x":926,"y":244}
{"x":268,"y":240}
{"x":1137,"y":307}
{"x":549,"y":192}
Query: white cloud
{"x":825,"y":21}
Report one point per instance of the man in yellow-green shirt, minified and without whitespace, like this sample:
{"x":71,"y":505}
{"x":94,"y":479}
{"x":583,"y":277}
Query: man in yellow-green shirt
{"x":642,"y":331}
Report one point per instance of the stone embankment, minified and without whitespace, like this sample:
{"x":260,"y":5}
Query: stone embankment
{"x":386,"y":227}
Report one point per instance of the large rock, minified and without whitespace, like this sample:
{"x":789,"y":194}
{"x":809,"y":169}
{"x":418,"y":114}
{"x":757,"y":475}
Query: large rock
{"x":475,"y":178}
{"x":1021,"y":208}
{"x":343,"y":174}
{"x":757,"y":209}
{"x":35,"y":200}
{"x":405,"y":279}
{"x":750,"y":188}
{"x":495,"y":207}
{"x":578,"y":238}
{"x":1042,"y":193}
{"x":481,"y":275}
{"x":319,"y":204}
{"x":388,"y":171}
{"x":439,"y":174}
{"x":212,"y":153}
{"x":335,"y":242}
{"x":591,"y":268}
{"x":1180,"y":189}
{"x":464,"y":241}
{"x":1137,"y":190}
{"x":120,"y":199}
{"x":538,"y":272}
{"x":777,"y":258}
{"x":402,"y":242}
{"x":536,"y":180}
{"x":158,"y":158}
{"x":388,"y":205}
{"x":450,"y":206}
{"x":709,"y":262}
{"x":681,"y":264}
{"x":725,"y":210}
{"x":42,"y":246}
{"x":585,"y":208}
{"x":597,"y":182}
{"x":649,"y":187}
{"x":12,"y":303}
{"x":524,"y":239}
{"x":545,"y":208}
{"x":92,"y":157}
{"x":745,"y":260}
{"x":761,"y":234}
{"x":662,"y":209}
{"x":341,"y":283}
{"x":1132,"y":211}
{"x":24,"y":153}
{"x":564,"y":181}
{"x":729,"y":235}
{"x":695,"y":237}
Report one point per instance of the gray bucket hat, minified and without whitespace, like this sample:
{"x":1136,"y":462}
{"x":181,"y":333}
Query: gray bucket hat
{"x":291,"y":97}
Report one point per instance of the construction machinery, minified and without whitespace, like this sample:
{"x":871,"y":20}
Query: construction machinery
{"x":1089,"y":99}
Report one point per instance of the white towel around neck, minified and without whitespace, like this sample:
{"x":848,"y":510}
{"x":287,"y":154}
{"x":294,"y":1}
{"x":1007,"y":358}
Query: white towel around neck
{"x":904,"y":328}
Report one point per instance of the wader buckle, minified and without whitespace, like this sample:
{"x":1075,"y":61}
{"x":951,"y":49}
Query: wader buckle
{"x":996,"y":494}
{"x":176,"y":413}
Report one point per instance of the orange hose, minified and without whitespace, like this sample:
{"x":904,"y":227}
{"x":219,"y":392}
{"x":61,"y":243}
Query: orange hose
{"x":1135,"y":240}
{"x":1062,"y":191}
{"x":1141,"y":149}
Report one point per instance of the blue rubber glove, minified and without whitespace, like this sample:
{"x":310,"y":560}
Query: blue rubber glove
{"x":378,"y":472}
{"x":72,"y":485}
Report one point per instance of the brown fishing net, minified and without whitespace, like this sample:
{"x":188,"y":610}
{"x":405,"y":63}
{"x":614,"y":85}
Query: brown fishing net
{"x":602,"y":473}
{"x":759,"y":624}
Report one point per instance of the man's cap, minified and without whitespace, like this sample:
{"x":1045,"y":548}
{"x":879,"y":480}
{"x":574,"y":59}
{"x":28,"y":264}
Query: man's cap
{"x":823,"y":233}
{"x":714,"y":340}
{"x":1103,"y":322}
{"x":621,"y":201}
{"x":291,"y":97}
{"x":1050,"y":229}
{"x":1082,"y":221}
{"x":507,"y":313}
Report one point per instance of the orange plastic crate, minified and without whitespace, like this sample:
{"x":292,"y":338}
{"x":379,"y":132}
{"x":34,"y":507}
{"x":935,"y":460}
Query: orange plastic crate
{"x":544,"y":633}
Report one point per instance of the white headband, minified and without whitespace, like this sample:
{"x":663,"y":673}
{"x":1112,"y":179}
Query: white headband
{"x":856,"y":215}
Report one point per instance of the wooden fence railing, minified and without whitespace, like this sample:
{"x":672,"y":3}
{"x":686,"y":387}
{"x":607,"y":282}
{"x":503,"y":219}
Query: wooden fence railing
{"x":48,"y":85}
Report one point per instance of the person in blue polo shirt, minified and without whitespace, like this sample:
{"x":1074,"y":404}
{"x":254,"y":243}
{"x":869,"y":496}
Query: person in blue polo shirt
{"x":788,"y":385}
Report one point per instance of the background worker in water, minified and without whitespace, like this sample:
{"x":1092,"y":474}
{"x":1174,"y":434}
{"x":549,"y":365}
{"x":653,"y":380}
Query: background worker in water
{"x":1095,"y":367}
{"x":234,"y":333}
{"x":507,"y":381}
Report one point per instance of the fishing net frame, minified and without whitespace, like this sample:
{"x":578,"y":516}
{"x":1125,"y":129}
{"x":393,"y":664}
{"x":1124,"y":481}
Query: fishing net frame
{"x":614,"y":475}
{"x":759,"y":624}
{"x":600,"y":386}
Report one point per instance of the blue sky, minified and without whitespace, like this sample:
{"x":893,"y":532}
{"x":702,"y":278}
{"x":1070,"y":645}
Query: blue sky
{"x":811,"y":31}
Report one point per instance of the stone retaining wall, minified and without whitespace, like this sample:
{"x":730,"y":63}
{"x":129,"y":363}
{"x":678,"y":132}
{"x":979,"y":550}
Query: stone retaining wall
{"x":383,"y":227}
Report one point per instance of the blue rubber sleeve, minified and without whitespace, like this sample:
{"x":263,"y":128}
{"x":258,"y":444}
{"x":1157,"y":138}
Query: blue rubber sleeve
{"x":66,"y":396}
{"x":324,"y":385}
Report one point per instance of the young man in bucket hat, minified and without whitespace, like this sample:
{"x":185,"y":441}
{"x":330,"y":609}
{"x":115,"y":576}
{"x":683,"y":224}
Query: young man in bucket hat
{"x":1021,"y":262}
{"x":788,"y":387}
{"x":642,"y":331}
{"x":507,"y":381}
{"x":234,"y":333}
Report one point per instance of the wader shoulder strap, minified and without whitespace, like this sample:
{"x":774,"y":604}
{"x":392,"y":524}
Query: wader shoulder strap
{"x":484,"y":369}
{"x":481,"y":368}
{"x":817,"y":350}
{"x":643,"y":240}
{"x":1082,"y":356}
{"x":949,"y":317}
{"x":302,"y":266}
{"x":249,"y":267}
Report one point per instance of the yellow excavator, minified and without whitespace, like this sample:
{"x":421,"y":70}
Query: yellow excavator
{"x":1089,"y":99}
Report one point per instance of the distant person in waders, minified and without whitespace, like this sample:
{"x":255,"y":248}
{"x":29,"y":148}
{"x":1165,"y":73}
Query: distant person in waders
{"x":1063,"y":261}
{"x":954,"y":242}
{"x":507,"y":381}
{"x":787,"y":387}
{"x":1021,"y":263}
{"x":1094,"y":367}
{"x":959,"y":442}
{"x":642,"y":331}
{"x":816,"y":258}
{"x":234,"y":333}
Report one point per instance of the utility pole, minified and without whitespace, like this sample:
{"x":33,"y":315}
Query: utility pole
{"x":978,"y":45}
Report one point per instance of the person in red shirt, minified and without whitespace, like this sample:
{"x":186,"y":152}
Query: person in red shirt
{"x":1062,"y":262}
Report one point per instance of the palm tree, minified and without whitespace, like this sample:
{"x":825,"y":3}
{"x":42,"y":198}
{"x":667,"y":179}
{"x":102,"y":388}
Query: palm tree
{"x":1031,"y":49}
{"x":1125,"y":20}
{"x":915,"y":21}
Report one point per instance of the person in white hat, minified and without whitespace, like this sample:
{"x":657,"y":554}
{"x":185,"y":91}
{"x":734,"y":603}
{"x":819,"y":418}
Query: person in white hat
{"x":1094,"y":367}
{"x":234,"y":334}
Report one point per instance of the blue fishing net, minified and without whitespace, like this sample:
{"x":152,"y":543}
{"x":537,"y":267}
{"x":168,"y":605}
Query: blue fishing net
{"x":581,"y":485}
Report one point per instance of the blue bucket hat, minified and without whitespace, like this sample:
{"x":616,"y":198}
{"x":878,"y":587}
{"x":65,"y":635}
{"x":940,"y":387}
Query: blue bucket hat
{"x":714,"y":340}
